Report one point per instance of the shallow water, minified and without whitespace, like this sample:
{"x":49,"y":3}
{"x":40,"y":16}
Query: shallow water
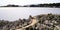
{"x":14,"y":13}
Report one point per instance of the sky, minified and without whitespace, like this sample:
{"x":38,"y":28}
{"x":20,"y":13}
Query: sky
{"x":26,"y":2}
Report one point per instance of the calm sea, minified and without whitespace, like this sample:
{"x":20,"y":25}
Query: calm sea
{"x":14,"y":13}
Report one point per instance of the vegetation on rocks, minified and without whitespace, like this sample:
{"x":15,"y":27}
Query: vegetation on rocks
{"x":45,"y":22}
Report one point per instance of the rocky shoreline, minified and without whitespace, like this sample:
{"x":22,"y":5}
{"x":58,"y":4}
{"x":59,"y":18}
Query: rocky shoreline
{"x":45,"y":22}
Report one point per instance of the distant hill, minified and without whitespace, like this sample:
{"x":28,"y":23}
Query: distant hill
{"x":44,"y":5}
{"x":11,"y":6}
{"x":38,"y":5}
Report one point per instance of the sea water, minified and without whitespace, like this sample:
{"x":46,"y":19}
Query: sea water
{"x":14,"y":13}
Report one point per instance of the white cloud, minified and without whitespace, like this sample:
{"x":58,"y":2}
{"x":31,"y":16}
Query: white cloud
{"x":24,"y":2}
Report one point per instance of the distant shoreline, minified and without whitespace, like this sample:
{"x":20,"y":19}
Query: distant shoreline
{"x":29,"y":7}
{"x":52,"y":5}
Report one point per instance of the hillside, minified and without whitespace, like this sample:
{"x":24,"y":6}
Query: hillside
{"x":38,"y":22}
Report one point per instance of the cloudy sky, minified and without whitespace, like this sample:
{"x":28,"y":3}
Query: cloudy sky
{"x":25,"y":2}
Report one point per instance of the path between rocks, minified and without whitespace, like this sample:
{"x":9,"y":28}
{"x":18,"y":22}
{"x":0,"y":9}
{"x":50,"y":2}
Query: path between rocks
{"x":34,"y":21}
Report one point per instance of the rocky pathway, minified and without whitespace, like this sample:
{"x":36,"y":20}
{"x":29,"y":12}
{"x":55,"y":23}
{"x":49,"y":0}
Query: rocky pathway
{"x":34,"y":21}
